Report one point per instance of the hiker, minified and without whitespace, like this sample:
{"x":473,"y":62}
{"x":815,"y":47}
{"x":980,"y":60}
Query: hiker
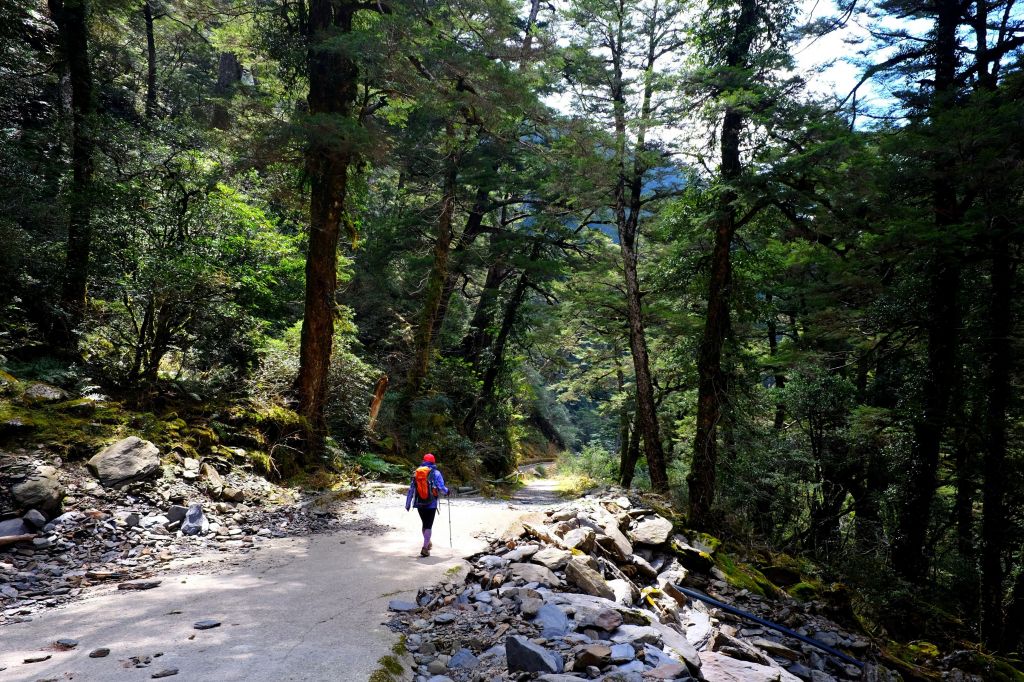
{"x":424,"y":491}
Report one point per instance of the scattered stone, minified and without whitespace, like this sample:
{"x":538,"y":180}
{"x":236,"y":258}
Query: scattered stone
{"x":41,"y":489}
{"x":592,"y":654}
{"x":206,"y":624}
{"x":526,"y":656}
{"x":139,"y":585}
{"x":552,"y":557}
{"x":552,"y":621}
{"x":166,"y":672}
{"x":38,"y":659}
{"x":128,"y":460}
{"x":233,"y":495}
{"x":176,"y":512}
{"x":532,"y":573}
{"x":587,"y":579}
{"x":102,"y":652}
{"x":66,"y":644}
{"x":463,"y":658}
{"x":195,"y":522}
{"x":13,"y":527}
{"x":651,"y":530}
{"x":401,"y":606}
{"x":38,"y":392}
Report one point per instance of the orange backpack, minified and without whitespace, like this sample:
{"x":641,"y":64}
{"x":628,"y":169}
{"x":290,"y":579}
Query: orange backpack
{"x":426,"y":491}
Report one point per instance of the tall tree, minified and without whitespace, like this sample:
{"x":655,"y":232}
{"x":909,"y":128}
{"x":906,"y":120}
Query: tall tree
{"x":72,"y":20}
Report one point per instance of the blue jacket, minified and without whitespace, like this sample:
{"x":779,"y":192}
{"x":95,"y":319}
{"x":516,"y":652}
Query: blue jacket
{"x":438,"y":481}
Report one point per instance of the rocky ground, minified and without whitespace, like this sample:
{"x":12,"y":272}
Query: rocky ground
{"x":127,"y":515}
{"x":589,"y":590}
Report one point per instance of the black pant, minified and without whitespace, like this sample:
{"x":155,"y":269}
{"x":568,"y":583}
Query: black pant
{"x":427,"y":516}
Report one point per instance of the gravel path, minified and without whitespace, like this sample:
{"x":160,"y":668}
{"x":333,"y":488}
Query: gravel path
{"x":306,"y":608}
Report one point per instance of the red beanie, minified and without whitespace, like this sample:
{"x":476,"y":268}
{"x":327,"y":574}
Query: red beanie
{"x":428,"y":458}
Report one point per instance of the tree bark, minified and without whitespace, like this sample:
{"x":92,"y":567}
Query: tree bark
{"x":993,"y":524}
{"x":147,"y":12}
{"x":497,"y":361}
{"x":435,"y":283}
{"x":229,"y":74}
{"x":378,"y":400}
{"x":473,"y":229}
{"x":711,"y":381}
{"x":779,"y":378}
{"x":628,"y":191}
{"x":332,"y":90}
{"x":478,"y":335}
{"x":71,"y":18}
{"x":632,"y":455}
{"x":943,"y":323}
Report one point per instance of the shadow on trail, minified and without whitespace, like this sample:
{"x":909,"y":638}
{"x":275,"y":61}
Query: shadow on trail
{"x":537,"y":492}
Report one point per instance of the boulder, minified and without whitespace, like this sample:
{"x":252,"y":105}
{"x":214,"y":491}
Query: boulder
{"x":625,"y":591}
{"x":523,"y":655}
{"x":637,"y":635}
{"x":214,"y":483}
{"x":690,"y":557}
{"x":13,"y":527}
{"x":651,"y":530}
{"x":677,"y":643}
{"x":40,"y":489}
{"x":195,"y":522}
{"x":616,"y":542}
{"x":552,"y":557}
{"x":35,"y":519}
{"x":233,"y":495}
{"x":131,"y":459}
{"x":522,"y":552}
{"x":579,"y":538}
{"x":533,"y":573}
{"x":38,"y":392}
{"x":588,"y":580}
{"x":552,"y":621}
{"x":592,"y":654}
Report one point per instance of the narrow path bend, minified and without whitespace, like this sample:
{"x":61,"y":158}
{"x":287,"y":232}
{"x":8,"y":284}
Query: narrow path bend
{"x":306,"y":608}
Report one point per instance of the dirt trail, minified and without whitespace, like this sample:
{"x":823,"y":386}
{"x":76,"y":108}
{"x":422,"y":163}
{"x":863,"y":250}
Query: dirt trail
{"x":307,"y":608}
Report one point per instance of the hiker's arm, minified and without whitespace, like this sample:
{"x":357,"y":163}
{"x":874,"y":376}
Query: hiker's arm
{"x":409,"y":494}
{"x":440,"y":482}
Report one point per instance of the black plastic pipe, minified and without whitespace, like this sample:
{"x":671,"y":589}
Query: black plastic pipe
{"x":768,"y":624}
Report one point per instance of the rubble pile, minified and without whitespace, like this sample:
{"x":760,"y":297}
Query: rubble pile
{"x":589,"y":590}
{"x":128,"y":514}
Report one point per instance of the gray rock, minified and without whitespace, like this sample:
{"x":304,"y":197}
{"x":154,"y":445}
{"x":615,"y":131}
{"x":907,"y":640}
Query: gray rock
{"x":41,"y":489}
{"x":522,"y":552}
{"x":579,"y":538}
{"x":130,"y":459}
{"x":678,"y":644}
{"x":464,"y":659}
{"x":625,"y":592}
{"x":38,"y":392}
{"x":128,"y":518}
{"x":532,"y":573}
{"x":692,"y":558}
{"x":651,"y":530}
{"x":136,"y":585}
{"x":637,"y":635}
{"x":588,"y":580}
{"x":443,"y":618}
{"x":715,"y":666}
{"x":35,"y":519}
{"x":66,"y":643}
{"x":523,"y":655}
{"x":233,"y":495}
{"x":552,"y":621}
{"x":206,"y":624}
{"x":622,"y":653}
{"x":592,"y":655}
{"x":176,"y":513}
{"x":401,"y":606}
{"x":552,"y":557}
{"x":14,"y":527}
{"x":166,"y":672}
{"x":214,"y":482}
{"x":196,"y":522}
{"x":615,"y":542}
{"x":102,"y":652}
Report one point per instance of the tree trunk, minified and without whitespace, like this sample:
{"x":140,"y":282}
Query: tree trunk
{"x":624,"y":418}
{"x":993,"y":525}
{"x":332,"y":90}
{"x":71,"y":18}
{"x":147,"y":11}
{"x":632,"y":455}
{"x":779,"y":378}
{"x":711,"y":388}
{"x":229,"y":74}
{"x":473,"y":229}
{"x":478,"y":336}
{"x":628,"y":190}
{"x":378,"y":400}
{"x":508,"y":319}
{"x":435,"y":283}
{"x":943,"y":276}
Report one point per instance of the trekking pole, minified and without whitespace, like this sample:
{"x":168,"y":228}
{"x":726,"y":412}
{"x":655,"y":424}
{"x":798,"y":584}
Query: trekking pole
{"x":451,"y":545}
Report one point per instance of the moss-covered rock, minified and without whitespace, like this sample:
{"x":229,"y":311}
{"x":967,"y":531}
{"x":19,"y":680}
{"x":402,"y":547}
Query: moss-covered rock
{"x":804,"y":590}
{"x":744,"y":576}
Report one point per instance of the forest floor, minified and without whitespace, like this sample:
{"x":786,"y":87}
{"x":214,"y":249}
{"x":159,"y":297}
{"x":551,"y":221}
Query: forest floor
{"x":302,"y":608}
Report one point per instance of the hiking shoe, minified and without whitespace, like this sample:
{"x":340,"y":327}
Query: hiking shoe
{"x":425,"y":551}
{"x":430,"y":545}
